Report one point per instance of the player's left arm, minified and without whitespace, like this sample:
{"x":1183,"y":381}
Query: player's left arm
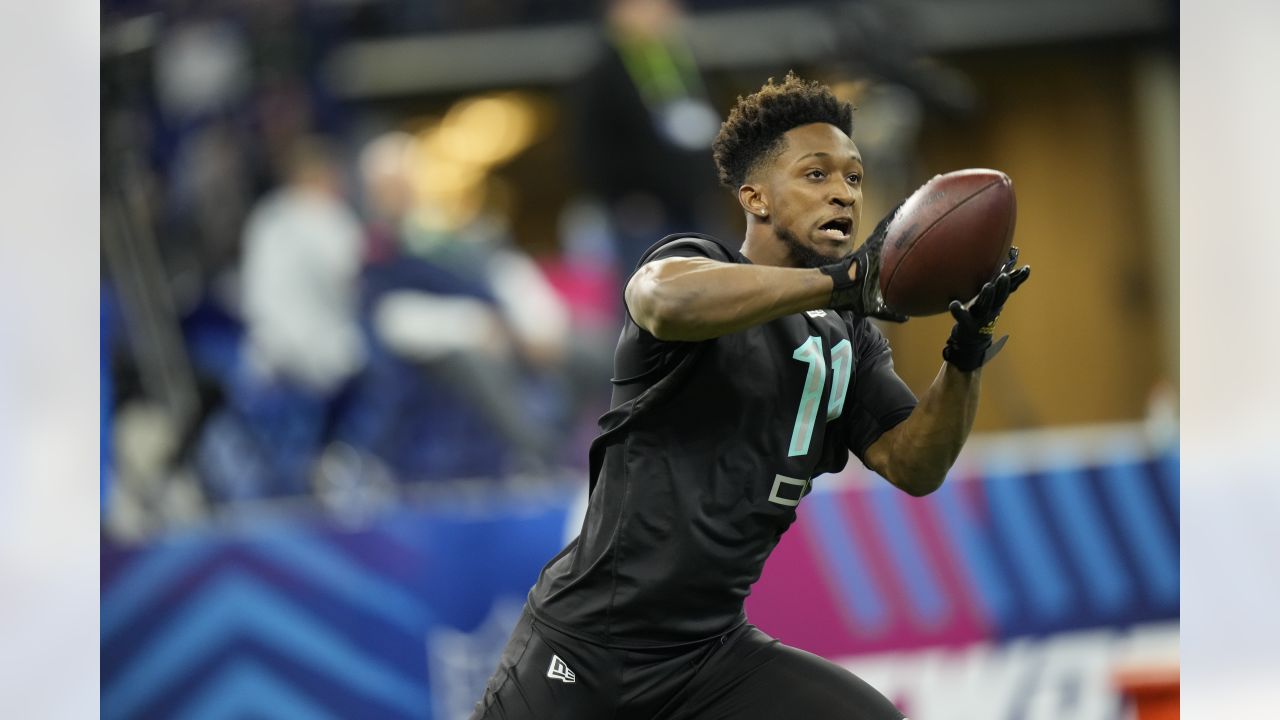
{"x":916,"y":454}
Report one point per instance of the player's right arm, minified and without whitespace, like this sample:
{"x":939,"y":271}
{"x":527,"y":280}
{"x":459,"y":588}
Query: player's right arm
{"x":697,"y":298}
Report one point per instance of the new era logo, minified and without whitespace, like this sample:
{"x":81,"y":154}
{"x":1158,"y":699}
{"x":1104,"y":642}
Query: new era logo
{"x":560,"y":671}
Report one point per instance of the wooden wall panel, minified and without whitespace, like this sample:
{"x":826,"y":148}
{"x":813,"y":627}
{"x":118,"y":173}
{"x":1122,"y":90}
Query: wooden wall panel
{"x":1084,"y":343}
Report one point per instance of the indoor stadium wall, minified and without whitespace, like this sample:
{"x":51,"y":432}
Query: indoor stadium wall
{"x":1096,"y":332}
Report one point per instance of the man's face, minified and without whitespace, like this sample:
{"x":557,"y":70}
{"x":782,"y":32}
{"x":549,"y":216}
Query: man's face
{"x":814,"y":188}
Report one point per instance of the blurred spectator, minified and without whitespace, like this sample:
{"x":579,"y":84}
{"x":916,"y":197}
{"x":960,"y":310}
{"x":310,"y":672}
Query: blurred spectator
{"x":644,"y":125}
{"x":303,"y":345}
{"x":209,"y":196}
{"x":203,"y":79}
{"x":456,"y":328}
{"x":302,"y":250}
{"x":586,"y":276}
{"x":201,"y":67}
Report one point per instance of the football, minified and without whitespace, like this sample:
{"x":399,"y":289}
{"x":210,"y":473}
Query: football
{"x":947,"y":240}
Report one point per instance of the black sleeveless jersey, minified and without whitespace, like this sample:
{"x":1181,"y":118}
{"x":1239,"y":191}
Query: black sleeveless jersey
{"x":708,"y":449}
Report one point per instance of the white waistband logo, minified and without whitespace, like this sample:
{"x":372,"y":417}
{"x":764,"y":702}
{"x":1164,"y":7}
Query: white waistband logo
{"x":560,"y":671}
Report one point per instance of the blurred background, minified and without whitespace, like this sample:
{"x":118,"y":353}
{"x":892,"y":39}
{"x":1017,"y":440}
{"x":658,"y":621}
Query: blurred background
{"x":361,"y":270}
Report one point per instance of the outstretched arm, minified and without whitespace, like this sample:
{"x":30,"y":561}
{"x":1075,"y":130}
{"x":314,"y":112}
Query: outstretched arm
{"x":695,"y":298}
{"x":692,"y":298}
{"x":916,"y":454}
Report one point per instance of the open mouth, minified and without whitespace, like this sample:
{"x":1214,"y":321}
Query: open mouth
{"x":837,"y":228}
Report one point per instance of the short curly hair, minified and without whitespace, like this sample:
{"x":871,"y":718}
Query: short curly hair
{"x":753,"y":132}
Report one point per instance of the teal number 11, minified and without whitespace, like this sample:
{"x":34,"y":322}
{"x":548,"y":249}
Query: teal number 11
{"x":810,"y":352}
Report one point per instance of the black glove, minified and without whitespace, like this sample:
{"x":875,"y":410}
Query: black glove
{"x":862,"y":294}
{"x":970,"y":345}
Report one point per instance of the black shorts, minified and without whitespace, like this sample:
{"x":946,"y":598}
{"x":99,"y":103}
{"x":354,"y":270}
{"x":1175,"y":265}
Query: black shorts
{"x":744,"y":674}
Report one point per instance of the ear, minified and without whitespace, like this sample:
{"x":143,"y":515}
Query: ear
{"x":752,"y":199}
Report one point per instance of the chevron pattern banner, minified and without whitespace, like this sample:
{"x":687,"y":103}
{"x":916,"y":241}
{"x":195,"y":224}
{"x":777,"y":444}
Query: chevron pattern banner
{"x":310,"y":621}
{"x":406,"y":617}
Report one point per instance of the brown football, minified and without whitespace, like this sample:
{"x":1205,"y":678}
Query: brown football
{"x":947,"y":240}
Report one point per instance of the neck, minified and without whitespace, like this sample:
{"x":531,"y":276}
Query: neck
{"x":761,"y":245}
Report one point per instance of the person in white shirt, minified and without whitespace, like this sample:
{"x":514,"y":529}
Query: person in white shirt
{"x":302,"y":256}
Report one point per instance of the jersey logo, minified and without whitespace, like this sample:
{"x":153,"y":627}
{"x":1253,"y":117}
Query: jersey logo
{"x":560,"y":671}
{"x":787,"y":491}
{"x":816,"y":313}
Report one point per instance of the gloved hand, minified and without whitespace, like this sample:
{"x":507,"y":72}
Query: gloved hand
{"x":862,"y":294}
{"x":970,"y":345}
